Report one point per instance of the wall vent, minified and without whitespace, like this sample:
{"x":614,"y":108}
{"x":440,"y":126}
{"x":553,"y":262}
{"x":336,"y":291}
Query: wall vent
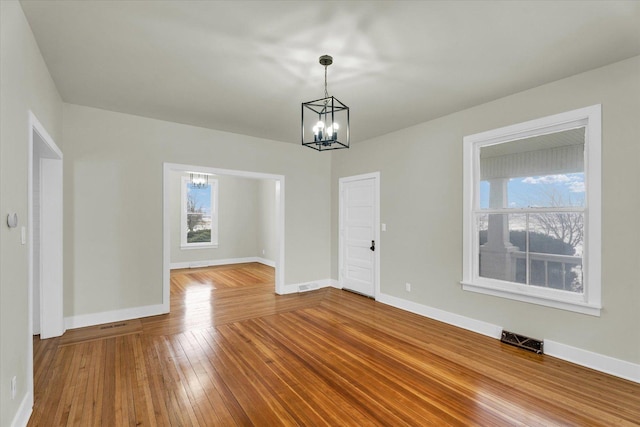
{"x":307,"y":287}
{"x":521,"y":341}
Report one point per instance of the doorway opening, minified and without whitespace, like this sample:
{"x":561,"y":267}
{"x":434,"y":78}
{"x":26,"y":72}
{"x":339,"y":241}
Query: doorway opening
{"x":45,"y":238}
{"x":274,"y":188}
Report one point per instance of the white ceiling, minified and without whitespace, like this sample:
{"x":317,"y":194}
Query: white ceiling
{"x":245,"y":67}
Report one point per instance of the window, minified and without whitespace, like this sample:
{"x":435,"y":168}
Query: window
{"x":199,"y":218}
{"x":532,"y":211}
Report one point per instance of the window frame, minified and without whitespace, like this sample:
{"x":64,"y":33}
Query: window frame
{"x":588,"y":302}
{"x":214,"y":216}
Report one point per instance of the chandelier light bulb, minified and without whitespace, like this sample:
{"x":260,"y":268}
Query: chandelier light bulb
{"x":317,"y":131}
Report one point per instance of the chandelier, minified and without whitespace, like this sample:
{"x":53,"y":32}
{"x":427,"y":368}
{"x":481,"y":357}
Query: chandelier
{"x":199,"y":180}
{"x":323,"y":119}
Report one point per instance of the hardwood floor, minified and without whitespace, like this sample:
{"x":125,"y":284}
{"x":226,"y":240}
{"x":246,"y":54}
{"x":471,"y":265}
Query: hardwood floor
{"x":233,"y":353}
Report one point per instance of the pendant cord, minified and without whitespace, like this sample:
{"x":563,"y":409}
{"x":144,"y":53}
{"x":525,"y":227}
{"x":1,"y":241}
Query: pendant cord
{"x":326,"y":94}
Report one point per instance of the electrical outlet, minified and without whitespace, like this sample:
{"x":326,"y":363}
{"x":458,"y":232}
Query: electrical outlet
{"x":407,"y":287}
{"x":14,"y":387}
{"x":264,"y":252}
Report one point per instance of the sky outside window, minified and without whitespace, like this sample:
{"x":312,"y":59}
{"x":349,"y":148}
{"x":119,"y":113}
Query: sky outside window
{"x":561,"y":190}
{"x":201,"y":197}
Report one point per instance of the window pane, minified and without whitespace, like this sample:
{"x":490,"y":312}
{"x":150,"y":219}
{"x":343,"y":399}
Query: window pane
{"x":502,"y":240}
{"x":198,"y":213}
{"x":555,"y":250}
{"x":541,"y":171}
{"x":547,"y":191}
{"x":485,"y":189}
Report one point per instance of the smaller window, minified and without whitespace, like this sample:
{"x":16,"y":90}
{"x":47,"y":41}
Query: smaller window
{"x":199,"y":218}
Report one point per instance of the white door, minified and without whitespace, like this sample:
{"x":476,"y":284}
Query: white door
{"x":51,"y":302}
{"x":359,"y":246}
{"x":45,"y":221}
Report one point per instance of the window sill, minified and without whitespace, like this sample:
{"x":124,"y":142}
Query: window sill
{"x":198,"y":246}
{"x":578,"y":307}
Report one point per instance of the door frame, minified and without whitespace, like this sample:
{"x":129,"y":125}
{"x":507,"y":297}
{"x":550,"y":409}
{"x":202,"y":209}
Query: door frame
{"x":54,"y":314}
{"x":166,"y":224}
{"x":376,"y":226}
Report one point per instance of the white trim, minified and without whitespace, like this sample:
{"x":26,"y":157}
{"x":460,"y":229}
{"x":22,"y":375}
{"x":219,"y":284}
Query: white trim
{"x":599,"y":362}
{"x":50,"y":246}
{"x":197,"y":246}
{"x":376,"y":226}
{"x":34,"y":125}
{"x":21,"y":419}
{"x":578,"y":307}
{"x":83,"y":320}
{"x":590,"y":302}
{"x":314,"y":284}
{"x":463,"y":322}
{"x":265,"y":261}
{"x":166,"y":226}
{"x":227,"y":261}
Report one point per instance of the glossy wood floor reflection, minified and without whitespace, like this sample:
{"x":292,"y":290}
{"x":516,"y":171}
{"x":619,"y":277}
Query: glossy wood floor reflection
{"x":233,"y":353}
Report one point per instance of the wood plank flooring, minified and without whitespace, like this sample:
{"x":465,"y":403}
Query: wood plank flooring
{"x":233,"y":353}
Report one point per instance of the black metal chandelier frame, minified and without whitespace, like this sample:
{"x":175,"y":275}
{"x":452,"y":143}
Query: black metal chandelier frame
{"x":325,"y":110}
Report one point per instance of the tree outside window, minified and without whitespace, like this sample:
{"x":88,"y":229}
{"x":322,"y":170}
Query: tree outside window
{"x":199,"y":213}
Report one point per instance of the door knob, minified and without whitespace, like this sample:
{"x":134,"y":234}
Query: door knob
{"x":373,"y":245}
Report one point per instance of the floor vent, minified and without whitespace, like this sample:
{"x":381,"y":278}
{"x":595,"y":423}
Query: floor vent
{"x":113,"y":325}
{"x":307,"y":287}
{"x":521,"y":341}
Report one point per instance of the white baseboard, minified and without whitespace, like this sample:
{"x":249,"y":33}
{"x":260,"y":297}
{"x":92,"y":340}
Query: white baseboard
{"x":93,"y":319}
{"x":463,"y":322}
{"x":599,"y":362}
{"x":266,"y":262}
{"x":214,"y":262}
{"x":21,"y":418}
{"x":312,"y":285}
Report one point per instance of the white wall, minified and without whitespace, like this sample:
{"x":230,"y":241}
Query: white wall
{"x":242,"y":214}
{"x":267,"y":241}
{"x":25,"y":84}
{"x":421,"y":204}
{"x":113,"y":168}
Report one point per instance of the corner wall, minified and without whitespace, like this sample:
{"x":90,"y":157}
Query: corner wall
{"x":25,"y":84}
{"x":421,"y":204}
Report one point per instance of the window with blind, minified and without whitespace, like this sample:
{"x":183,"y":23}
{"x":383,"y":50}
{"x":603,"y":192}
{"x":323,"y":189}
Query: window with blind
{"x":532,"y":211}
